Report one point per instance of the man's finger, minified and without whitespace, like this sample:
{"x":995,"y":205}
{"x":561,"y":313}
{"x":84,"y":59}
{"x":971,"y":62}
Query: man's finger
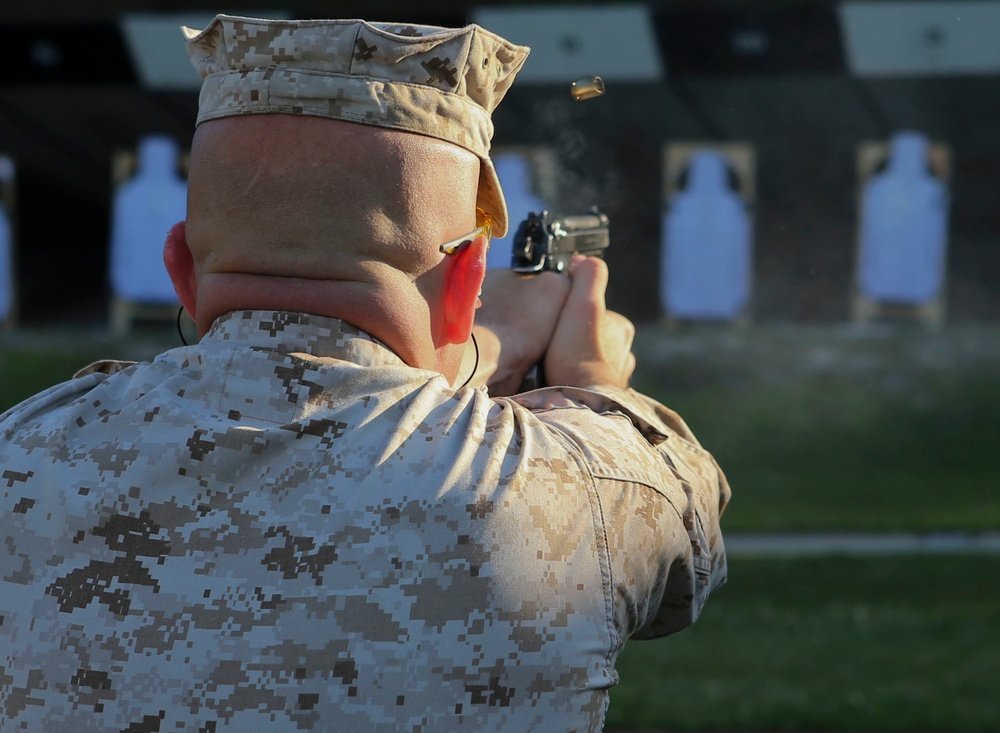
{"x":589,"y":284}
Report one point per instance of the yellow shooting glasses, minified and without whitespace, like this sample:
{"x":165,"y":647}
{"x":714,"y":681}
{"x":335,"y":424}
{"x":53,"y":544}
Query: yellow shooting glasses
{"x":484,"y":226}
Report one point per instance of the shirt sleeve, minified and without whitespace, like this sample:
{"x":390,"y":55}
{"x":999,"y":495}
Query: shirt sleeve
{"x":661,"y":494}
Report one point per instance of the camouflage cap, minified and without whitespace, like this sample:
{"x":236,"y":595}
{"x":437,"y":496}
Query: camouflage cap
{"x":441,"y":82}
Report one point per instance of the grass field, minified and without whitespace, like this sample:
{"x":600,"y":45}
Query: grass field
{"x":827,"y":429}
{"x":846,"y":645}
{"x":835,"y":430}
{"x":838,"y":430}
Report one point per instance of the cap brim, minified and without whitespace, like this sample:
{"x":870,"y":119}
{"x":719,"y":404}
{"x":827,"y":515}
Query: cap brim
{"x":491,"y":198}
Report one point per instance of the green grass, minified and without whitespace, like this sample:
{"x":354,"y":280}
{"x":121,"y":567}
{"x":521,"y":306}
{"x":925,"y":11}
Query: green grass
{"x":894,"y":434}
{"x":24,"y":372}
{"x":850,"y":645}
{"x":832,"y":430}
{"x":33,"y":360}
{"x":839,"y":456}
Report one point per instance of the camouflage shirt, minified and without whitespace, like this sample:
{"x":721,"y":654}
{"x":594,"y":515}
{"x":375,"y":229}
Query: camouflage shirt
{"x":286,"y":528}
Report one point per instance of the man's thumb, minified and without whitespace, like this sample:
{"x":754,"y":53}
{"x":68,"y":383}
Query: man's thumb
{"x":590,"y":282}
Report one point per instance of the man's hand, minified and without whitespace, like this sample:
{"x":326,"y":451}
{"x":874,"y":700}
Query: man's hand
{"x":515,"y":324}
{"x":591,"y":346}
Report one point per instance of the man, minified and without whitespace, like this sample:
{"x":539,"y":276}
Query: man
{"x":302,"y":523}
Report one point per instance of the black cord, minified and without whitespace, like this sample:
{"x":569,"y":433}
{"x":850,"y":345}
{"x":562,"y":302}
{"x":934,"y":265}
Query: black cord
{"x":179,"y":331}
{"x":476,"y":365}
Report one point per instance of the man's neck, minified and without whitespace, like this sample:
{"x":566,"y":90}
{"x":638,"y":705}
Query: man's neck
{"x":394,"y":314}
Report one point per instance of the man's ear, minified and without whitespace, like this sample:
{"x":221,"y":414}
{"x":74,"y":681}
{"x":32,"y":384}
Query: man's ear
{"x":463,"y":283}
{"x":180,"y":266}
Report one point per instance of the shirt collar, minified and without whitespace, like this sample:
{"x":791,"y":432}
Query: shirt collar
{"x":287,"y":332}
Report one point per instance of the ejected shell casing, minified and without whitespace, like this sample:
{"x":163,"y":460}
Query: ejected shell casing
{"x":587,"y":88}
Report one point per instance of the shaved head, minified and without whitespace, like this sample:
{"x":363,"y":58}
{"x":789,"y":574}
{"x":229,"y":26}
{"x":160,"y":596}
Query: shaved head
{"x":309,"y":197}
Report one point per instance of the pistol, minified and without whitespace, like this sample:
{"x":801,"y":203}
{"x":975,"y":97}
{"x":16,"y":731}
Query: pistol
{"x":541,"y":245}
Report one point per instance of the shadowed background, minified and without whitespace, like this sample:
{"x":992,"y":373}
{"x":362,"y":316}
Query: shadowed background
{"x":70,"y":96}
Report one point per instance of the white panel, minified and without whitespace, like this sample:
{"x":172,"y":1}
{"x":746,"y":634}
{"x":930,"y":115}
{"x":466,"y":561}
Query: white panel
{"x":921,"y":38}
{"x":616,"y":42}
{"x":156,"y":45}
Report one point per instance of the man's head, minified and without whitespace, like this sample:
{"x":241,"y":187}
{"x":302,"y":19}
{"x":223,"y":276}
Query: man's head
{"x":438,"y":82}
{"x":308,"y":197}
{"x":331,"y":159}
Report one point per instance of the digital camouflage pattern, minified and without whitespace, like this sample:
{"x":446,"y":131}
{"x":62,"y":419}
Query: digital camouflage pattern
{"x":440,"y":82}
{"x":285,"y":528}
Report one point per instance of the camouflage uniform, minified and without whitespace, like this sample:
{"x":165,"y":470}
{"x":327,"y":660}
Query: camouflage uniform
{"x":286,"y":528}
